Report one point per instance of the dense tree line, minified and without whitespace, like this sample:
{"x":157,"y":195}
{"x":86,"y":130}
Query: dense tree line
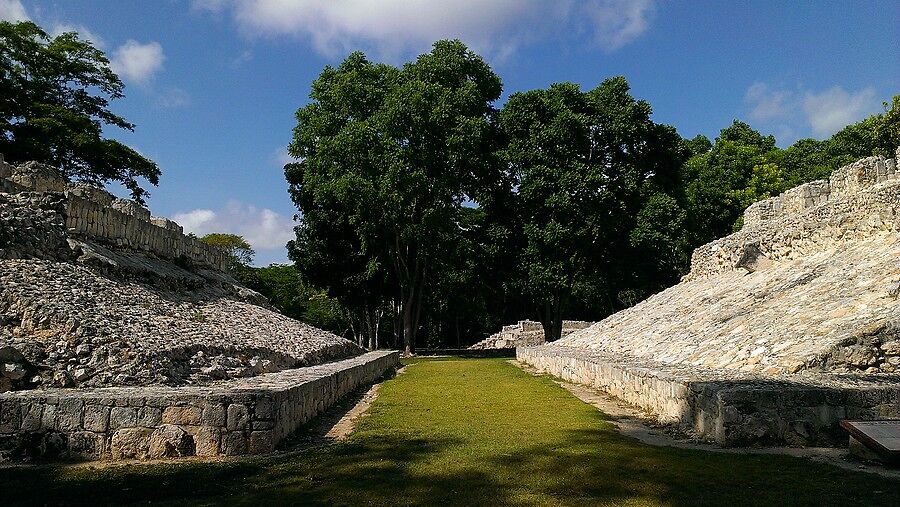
{"x":433,"y":216}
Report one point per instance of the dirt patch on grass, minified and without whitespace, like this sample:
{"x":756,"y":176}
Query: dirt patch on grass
{"x":640,"y":425}
{"x":337,"y":422}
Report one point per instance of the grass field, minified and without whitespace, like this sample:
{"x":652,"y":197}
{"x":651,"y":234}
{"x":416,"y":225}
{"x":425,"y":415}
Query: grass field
{"x":466,"y":432}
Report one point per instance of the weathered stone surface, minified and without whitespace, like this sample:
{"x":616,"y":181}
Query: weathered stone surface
{"x":181,"y":415}
{"x":99,"y":293}
{"x":261,"y":442}
{"x":238,"y":417}
{"x":122,"y":417}
{"x":207,"y":440}
{"x":261,"y":411}
{"x":96,"y":418}
{"x":525,"y":333}
{"x":169,"y":441}
{"x":234,"y":443}
{"x":213,"y":415}
{"x":130,"y":443}
{"x":86,"y":445}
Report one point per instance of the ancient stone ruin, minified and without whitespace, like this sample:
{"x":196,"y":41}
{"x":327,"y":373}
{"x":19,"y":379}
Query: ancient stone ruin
{"x":121,"y":337}
{"x":778,"y":332}
{"x":525,"y":333}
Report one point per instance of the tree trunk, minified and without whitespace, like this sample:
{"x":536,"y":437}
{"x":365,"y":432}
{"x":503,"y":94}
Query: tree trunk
{"x":409,"y":332}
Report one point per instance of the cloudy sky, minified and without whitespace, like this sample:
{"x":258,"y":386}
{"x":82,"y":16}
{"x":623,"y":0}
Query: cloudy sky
{"x":213,"y":84}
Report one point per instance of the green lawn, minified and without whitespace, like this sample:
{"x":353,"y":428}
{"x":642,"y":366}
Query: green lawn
{"x":467,"y":432}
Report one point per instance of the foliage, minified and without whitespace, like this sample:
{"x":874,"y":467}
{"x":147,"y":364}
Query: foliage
{"x":54,"y":102}
{"x":236,"y":246}
{"x":585,"y":165}
{"x":390,"y":155}
{"x":430,"y":215}
{"x":286,"y":290}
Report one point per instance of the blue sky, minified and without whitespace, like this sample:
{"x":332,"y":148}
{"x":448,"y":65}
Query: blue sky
{"x":213,"y":84}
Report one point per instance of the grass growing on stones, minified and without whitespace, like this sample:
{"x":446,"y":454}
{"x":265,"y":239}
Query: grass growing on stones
{"x":467,"y":432}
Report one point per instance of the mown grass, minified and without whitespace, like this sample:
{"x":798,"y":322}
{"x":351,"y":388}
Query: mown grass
{"x":467,"y":432}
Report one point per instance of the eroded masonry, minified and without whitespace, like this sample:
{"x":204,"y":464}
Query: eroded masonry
{"x":778,"y":332}
{"x":122,"y":337}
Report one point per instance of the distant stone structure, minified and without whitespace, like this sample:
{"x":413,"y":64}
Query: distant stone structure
{"x":779,"y":330}
{"x":525,"y":333}
{"x":92,"y":212}
{"x":121,"y":337}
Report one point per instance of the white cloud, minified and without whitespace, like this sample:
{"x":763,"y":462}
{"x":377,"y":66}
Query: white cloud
{"x":241,"y":59}
{"x":137,"y":62}
{"x":768,"y":104}
{"x":83,"y":33}
{"x":496,"y":27}
{"x":835,"y":108}
{"x":618,"y":22}
{"x":172,"y":98}
{"x":283,"y":158}
{"x":799,"y":112}
{"x":263,"y":228}
{"x":13,"y":11}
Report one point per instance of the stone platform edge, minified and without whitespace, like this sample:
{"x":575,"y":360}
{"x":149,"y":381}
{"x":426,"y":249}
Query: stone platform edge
{"x":246,"y":416}
{"x":745,"y":411}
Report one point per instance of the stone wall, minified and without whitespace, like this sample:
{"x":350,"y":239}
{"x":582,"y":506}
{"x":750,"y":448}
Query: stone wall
{"x":729,"y":409}
{"x":779,"y":331}
{"x":857,"y":200}
{"x":247,"y":416}
{"x":92,"y":212}
{"x":525,"y":333}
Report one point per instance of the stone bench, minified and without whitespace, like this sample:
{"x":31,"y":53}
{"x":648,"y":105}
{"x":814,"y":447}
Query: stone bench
{"x":246,"y":416}
{"x":874,"y":439}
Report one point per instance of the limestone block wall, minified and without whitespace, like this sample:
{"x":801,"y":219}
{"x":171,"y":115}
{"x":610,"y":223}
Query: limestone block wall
{"x":733,"y":410}
{"x":94,"y":213}
{"x":525,"y":333}
{"x":843,"y":182}
{"x":859,"y":200}
{"x":248,"y":416}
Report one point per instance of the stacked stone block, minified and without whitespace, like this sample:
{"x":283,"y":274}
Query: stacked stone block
{"x":729,"y":409}
{"x":779,"y":331}
{"x":94,"y":213}
{"x":249,"y":416}
{"x":525,"y":333}
{"x":843,"y":182}
{"x":859,"y":200}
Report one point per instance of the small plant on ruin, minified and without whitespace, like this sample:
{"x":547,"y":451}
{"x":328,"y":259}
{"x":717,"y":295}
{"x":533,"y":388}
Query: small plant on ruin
{"x":198,"y":316}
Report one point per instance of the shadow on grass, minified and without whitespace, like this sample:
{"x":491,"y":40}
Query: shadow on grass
{"x":465,"y":433}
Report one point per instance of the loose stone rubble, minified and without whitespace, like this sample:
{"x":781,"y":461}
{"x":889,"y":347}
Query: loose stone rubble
{"x":97,"y":295}
{"x":126,"y":306}
{"x":525,"y":333}
{"x":778,"y":331}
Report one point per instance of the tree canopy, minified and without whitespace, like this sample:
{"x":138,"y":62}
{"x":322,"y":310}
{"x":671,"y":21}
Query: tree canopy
{"x":433,"y":216}
{"x":390,"y":155}
{"x":54,"y":101}
{"x":236,"y":246}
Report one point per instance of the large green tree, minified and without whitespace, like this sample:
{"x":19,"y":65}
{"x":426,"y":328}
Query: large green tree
{"x":54,"y":101}
{"x":391,"y":154}
{"x":586,"y":165}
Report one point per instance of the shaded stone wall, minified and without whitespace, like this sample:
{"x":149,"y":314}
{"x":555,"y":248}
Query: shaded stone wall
{"x":525,"y":333}
{"x":92,"y":212}
{"x":247,"y":416}
{"x":732,"y":410}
